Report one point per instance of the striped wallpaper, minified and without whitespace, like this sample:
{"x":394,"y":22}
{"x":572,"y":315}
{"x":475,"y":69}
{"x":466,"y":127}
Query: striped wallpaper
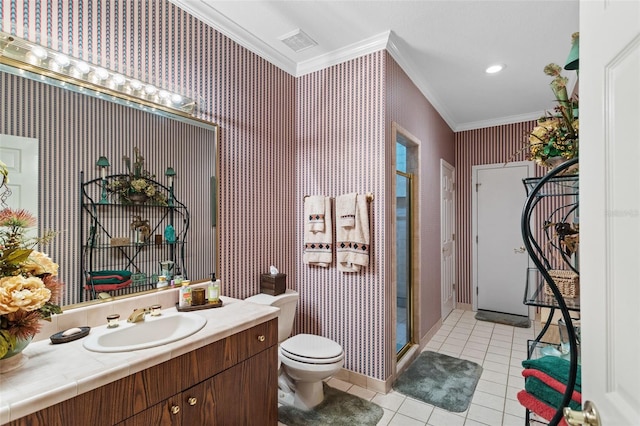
{"x":251,"y":100}
{"x":408,"y":108}
{"x":341,"y":149}
{"x":489,"y":145}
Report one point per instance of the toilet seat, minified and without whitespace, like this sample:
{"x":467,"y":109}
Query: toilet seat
{"x":311,"y":349}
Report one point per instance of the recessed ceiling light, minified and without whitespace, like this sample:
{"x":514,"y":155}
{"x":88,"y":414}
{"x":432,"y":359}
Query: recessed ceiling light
{"x":297,"y":40}
{"x":495,"y":69}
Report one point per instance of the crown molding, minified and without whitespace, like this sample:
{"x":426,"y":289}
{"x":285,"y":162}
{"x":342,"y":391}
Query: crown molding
{"x":511,"y":119}
{"x":410,"y":69}
{"x":235,"y":32}
{"x":347,"y":53}
{"x":385,"y":40}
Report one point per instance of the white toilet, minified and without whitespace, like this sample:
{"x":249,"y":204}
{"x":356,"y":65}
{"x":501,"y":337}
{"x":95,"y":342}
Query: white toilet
{"x":305,"y":360}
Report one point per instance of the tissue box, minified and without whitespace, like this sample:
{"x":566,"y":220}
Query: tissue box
{"x":273,"y":284}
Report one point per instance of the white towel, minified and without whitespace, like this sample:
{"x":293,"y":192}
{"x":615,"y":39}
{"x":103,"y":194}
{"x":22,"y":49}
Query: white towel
{"x":314,"y":213}
{"x":318,"y":245}
{"x":352,"y":244}
{"x":346,"y":210}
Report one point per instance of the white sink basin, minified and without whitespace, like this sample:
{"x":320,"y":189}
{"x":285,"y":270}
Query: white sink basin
{"x":153,"y":331}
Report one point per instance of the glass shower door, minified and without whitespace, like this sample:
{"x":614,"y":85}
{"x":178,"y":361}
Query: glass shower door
{"x":403,"y":262}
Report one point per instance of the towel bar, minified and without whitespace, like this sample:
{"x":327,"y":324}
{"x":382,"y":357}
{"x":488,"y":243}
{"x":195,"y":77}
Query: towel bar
{"x":369,"y":196}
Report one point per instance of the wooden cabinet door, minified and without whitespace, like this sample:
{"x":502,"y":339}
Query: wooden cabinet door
{"x":161,"y":413}
{"x":247,"y":393}
{"x":198,"y":405}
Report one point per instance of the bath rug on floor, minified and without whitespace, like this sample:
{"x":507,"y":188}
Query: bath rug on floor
{"x":338,"y":408}
{"x":502,"y":318}
{"x":440,"y":380}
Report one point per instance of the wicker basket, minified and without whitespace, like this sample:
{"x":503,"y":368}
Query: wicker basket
{"x":568,"y":282}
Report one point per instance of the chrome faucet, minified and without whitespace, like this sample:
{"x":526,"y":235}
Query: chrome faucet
{"x":138,"y":314}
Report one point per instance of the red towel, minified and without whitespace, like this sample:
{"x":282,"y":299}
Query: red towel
{"x":109,"y":287}
{"x":540,"y":408}
{"x":552,"y":383}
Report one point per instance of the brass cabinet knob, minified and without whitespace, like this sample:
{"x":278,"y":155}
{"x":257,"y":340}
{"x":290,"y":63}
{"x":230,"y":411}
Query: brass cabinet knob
{"x":175,"y":409}
{"x":261,"y":338}
{"x":192,"y":401}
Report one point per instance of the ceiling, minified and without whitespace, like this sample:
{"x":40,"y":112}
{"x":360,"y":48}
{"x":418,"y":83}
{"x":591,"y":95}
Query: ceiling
{"x":444,"y":46}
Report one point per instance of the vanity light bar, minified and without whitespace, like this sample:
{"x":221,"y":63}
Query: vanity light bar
{"x":32,"y":57}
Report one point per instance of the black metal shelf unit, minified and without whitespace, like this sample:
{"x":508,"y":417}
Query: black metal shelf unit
{"x":554,"y":197}
{"x":111,"y":242}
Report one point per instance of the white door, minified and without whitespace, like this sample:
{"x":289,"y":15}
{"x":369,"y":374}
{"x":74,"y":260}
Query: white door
{"x":610,"y":208}
{"x":447,"y":237}
{"x":500,"y":258}
{"x":21,"y":157}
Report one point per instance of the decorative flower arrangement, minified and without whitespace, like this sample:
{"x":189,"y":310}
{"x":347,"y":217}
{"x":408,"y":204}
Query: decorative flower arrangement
{"x":138,"y":186}
{"x":556,"y":135}
{"x":28,"y":284}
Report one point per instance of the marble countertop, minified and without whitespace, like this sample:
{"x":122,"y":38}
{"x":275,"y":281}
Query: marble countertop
{"x":55,"y":373}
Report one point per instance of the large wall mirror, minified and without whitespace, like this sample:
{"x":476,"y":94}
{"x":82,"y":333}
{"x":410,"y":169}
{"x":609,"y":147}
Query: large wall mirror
{"x":71,"y":130}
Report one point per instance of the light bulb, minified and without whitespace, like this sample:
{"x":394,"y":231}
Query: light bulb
{"x":135,"y":84}
{"x":102,"y":74}
{"x":39,"y":52}
{"x":62,"y":60}
{"x":83,"y":67}
{"x":150,"y":89}
{"x":118,"y":79}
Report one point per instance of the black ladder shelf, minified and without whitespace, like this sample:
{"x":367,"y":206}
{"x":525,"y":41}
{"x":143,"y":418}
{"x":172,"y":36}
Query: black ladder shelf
{"x":556,"y":192}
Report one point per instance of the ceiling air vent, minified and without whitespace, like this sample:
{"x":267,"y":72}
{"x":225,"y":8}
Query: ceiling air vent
{"x":297,"y":40}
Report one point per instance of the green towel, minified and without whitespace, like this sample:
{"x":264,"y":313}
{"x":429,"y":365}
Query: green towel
{"x":123,"y":273}
{"x":546,"y":394}
{"x":555,"y":367}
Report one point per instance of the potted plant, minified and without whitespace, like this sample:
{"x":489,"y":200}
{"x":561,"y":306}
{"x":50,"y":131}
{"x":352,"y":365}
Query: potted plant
{"x":138,"y":185}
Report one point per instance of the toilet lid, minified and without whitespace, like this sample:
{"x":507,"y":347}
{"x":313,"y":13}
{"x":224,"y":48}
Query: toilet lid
{"x":310,"y":347}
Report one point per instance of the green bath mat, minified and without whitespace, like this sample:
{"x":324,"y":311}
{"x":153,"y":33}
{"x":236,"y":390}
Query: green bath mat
{"x":440,"y":380}
{"x":338,"y":408}
{"x":502,"y":318}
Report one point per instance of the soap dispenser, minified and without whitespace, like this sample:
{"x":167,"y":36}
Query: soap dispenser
{"x":213,"y":293}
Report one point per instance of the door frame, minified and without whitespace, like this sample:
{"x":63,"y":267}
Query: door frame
{"x":474,"y":226}
{"x":444,"y":164}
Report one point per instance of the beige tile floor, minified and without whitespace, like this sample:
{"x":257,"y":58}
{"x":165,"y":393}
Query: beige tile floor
{"x":500,"y":350}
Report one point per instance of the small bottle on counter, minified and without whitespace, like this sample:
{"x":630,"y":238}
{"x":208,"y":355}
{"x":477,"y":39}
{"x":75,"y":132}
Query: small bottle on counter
{"x":213,"y":292}
{"x":177,"y":278}
{"x":185,"y":294}
{"x":162,"y":282}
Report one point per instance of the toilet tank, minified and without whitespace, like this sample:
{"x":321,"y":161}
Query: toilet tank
{"x":287,"y":302}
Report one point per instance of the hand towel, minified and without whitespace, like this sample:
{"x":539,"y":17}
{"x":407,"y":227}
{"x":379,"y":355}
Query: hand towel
{"x":555,"y":367}
{"x":536,"y":406}
{"x":551,"y":382}
{"x":318,"y":245}
{"x":346,"y":210}
{"x":546,"y":394}
{"x":314,"y":213}
{"x":352,"y":243}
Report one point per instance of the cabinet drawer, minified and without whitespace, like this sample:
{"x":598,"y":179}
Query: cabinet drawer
{"x":257,"y":339}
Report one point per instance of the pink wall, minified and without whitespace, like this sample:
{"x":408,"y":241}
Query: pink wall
{"x":251,"y":100}
{"x":340,"y":149}
{"x":344,"y":139}
{"x":412,"y":111}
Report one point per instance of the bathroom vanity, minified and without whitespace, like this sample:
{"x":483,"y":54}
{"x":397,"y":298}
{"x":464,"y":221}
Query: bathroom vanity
{"x":225,"y":374}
